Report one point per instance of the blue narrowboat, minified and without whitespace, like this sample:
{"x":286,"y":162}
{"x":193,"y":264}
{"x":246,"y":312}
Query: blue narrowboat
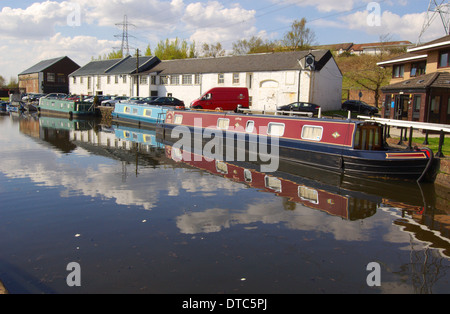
{"x":139,"y":114}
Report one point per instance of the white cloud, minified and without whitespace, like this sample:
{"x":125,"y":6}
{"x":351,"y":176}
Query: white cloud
{"x":212,"y":22}
{"x":323,"y":5}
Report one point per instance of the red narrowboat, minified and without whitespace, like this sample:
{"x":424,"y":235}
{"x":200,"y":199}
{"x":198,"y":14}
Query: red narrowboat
{"x":347,"y":146}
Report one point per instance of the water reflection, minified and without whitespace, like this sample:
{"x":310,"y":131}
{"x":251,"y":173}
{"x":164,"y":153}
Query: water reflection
{"x":136,"y":167}
{"x":345,"y":197}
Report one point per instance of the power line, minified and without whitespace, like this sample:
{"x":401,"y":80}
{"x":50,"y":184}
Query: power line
{"x":435,"y":9}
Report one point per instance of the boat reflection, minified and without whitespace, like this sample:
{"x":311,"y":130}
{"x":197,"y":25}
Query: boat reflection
{"x":413,"y":206}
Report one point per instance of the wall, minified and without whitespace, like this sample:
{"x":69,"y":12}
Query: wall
{"x":29,"y":82}
{"x":327,"y":87}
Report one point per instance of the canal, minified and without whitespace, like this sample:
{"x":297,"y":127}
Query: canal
{"x":132,"y":214}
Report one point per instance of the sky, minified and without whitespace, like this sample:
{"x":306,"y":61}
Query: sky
{"x":32,"y":31}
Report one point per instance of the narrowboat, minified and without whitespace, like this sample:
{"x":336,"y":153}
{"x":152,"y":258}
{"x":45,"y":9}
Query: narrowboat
{"x":346,"y":146}
{"x":70,"y":108}
{"x":138,"y":114}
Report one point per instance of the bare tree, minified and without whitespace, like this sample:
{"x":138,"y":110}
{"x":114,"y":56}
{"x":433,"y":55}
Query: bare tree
{"x":299,"y":37}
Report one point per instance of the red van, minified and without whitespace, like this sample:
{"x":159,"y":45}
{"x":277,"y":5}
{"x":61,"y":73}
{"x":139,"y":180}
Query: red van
{"x":224,"y":98}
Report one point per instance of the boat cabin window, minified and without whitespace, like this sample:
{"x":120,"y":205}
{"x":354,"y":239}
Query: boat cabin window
{"x":312,"y":132}
{"x":135,"y":111}
{"x":178,"y":119}
{"x":223,"y":123}
{"x":247,"y":175}
{"x":126,"y":109}
{"x":250,"y":126}
{"x":369,"y":137}
{"x":275,"y":129}
{"x":273,"y":183}
{"x":221,"y":167}
{"x":308,"y":194}
{"x":148,"y":112}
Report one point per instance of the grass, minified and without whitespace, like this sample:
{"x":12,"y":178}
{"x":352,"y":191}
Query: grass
{"x":433,"y":144}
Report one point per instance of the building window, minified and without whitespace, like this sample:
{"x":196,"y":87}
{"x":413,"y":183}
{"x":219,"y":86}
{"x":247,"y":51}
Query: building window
{"x":235,"y":78}
{"x":174,"y":80}
{"x":444,"y":59}
{"x":221,"y":78}
{"x":398,"y":71}
{"x":418,"y":68}
{"x":61,"y":78}
{"x":187,"y":80}
{"x":197,"y":79}
{"x":74,"y":80}
{"x":51,"y":77}
{"x":163,"y":80}
{"x":143,"y":80}
{"x":108,"y":79}
{"x":153,"y":79}
{"x":81,"y":80}
{"x":89,"y":82}
{"x":124,"y":79}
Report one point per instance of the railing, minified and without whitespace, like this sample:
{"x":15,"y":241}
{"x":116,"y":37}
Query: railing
{"x":277,"y":112}
{"x":414,"y":125}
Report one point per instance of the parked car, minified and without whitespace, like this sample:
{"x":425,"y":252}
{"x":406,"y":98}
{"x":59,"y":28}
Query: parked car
{"x":359,"y":106}
{"x":32,"y":97}
{"x":168,"y":101}
{"x":300,"y":107}
{"x":114,"y":100}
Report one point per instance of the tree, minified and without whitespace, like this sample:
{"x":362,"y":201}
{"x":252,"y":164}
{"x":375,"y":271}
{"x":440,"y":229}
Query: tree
{"x":2,"y":81}
{"x":148,"y":51}
{"x":173,"y":49}
{"x":362,"y":72}
{"x":254,"y":45}
{"x":112,"y":55}
{"x":299,"y":37}
{"x":213,"y":50}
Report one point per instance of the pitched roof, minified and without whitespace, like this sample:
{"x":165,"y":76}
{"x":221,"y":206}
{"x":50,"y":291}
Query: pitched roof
{"x":41,"y":66}
{"x":436,"y":80}
{"x":126,"y":65}
{"x":440,"y":42}
{"x":95,"y":67}
{"x":244,"y":63}
{"x":407,"y":57}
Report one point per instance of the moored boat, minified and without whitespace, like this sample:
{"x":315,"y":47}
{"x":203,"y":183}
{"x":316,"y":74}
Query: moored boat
{"x":139,"y":114}
{"x":70,"y":108}
{"x":351,"y":147}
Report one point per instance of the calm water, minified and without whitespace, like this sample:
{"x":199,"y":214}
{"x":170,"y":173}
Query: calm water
{"x":136,"y":220}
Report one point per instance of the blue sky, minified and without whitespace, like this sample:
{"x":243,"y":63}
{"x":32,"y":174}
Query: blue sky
{"x":31,"y":31}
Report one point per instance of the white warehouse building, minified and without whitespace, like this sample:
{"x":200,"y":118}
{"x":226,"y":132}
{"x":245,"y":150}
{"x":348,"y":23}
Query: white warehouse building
{"x":273,"y":79}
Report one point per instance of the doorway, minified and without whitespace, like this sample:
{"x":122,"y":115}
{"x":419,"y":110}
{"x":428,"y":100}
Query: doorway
{"x":401,"y":107}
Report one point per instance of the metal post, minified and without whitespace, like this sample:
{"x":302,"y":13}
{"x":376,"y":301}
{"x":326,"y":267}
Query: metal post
{"x":441,"y":143}
{"x":426,"y":138}
{"x":400,"y":142}
{"x":410,"y":137}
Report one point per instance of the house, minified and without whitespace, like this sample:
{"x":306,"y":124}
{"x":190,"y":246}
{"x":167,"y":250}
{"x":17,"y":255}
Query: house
{"x":110,"y":77}
{"x":376,"y":48}
{"x":48,"y":76}
{"x":273,"y":79}
{"x":420,"y":85}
